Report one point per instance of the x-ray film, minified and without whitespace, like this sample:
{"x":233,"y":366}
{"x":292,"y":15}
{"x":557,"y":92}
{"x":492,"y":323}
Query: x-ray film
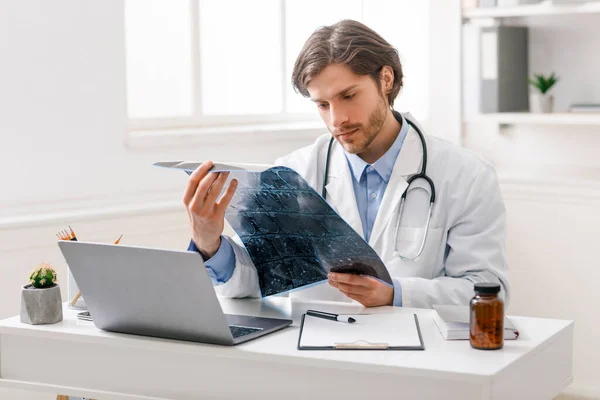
{"x":292,"y":235}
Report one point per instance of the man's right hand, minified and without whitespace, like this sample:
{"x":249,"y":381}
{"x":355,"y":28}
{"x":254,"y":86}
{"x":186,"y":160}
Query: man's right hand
{"x":207,"y":215}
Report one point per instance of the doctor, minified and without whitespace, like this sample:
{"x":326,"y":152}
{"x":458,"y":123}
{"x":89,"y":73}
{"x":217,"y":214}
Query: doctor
{"x":353,"y":76}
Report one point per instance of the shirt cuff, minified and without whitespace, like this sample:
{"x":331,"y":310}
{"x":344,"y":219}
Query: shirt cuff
{"x":221,"y":265}
{"x":397,"y":293}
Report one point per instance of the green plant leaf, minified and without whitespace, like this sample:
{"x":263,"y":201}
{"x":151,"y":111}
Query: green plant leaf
{"x":543,"y":83}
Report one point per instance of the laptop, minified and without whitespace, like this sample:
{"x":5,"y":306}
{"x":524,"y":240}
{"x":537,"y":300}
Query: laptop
{"x":157,"y":292}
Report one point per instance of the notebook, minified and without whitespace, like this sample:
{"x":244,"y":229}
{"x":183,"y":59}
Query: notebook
{"x":453,"y":323}
{"x":398,"y":331}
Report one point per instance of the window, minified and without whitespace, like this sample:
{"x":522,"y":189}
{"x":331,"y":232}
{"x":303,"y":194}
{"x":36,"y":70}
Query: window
{"x":199,"y":63}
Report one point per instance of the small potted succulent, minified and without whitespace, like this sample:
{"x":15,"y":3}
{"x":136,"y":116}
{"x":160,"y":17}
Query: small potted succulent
{"x":540,"y":99}
{"x":41,"y":302}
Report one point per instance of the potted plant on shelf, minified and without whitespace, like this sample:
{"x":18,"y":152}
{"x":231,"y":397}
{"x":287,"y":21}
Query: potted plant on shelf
{"x":541,"y":100}
{"x":41,"y":302}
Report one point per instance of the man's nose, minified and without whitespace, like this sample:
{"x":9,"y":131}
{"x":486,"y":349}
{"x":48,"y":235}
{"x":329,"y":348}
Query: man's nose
{"x":337,"y":116}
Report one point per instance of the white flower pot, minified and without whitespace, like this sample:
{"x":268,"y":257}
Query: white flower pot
{"x":41,"y":306}
{"x":541,"y":103}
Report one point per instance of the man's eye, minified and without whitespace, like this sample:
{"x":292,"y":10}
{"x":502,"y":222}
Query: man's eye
{"x":348,"y":96}
{"x":322,"y":106}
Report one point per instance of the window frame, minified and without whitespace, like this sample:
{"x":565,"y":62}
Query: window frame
{"x":204,"y":124}
{"x":267,"y":128}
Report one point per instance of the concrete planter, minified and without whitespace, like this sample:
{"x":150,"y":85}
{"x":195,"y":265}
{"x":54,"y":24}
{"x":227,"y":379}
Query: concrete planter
{"x":541,"y":103}
{"x":41,"y":306}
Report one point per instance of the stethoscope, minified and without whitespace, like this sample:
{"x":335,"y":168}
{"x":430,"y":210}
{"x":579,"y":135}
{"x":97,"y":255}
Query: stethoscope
{"x":420,"y":175}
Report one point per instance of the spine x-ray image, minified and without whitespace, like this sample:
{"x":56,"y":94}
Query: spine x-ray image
{"x":292,"y":235}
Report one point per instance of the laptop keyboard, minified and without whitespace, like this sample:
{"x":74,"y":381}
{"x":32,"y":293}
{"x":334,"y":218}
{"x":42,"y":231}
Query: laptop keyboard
{"x":237,"y":331}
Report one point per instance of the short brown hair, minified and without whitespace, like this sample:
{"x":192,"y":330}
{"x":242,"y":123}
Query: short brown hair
{"x":350,"y":43}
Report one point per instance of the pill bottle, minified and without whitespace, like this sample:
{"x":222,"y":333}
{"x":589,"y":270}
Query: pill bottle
{"x":486,"y":319}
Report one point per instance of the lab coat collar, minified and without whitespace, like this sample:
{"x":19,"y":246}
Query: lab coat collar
{"x":411,"y":155}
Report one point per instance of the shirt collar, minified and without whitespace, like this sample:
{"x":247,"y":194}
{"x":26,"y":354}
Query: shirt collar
{"x":385,"y":164}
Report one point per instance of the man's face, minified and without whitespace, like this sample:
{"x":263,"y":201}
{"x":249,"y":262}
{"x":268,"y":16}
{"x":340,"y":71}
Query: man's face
{"x":351,"y":105}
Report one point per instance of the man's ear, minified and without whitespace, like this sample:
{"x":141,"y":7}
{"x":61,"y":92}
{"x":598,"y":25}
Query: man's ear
{"x":387,"y":78}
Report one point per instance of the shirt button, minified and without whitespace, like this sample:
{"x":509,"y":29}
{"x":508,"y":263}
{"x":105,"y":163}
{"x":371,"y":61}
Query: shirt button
{"x":373,"y":195}
{"x":370,"y":169}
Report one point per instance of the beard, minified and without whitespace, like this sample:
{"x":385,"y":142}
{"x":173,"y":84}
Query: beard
{"x":361,"y":139}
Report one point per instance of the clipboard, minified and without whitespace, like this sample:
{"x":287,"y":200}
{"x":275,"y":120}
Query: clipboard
{"x":395,"y":331}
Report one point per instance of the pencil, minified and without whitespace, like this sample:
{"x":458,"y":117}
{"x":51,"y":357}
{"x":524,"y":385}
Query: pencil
{"x":72,"y":236}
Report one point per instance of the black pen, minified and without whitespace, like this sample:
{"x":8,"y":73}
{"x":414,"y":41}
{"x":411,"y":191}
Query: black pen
{"x":331,"y":316}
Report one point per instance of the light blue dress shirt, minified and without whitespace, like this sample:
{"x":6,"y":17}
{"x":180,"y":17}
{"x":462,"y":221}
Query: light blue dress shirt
{"x":221,"y":265}
{"x":370,"y":182}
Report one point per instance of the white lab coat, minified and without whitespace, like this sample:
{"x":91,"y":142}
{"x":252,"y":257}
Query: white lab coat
{"x":466,"y":239}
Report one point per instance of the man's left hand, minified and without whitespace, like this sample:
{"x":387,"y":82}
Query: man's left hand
{"x":367,"y":290}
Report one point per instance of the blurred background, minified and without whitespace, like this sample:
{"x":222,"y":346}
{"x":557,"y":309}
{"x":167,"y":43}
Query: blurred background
{"x":93,"y":92}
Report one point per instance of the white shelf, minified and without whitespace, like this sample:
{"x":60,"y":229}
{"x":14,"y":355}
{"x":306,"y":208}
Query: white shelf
{"x":544,"y":8}
{"x":538,"y":119}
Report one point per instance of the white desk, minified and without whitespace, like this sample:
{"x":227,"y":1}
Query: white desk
{"x":75,"y":358}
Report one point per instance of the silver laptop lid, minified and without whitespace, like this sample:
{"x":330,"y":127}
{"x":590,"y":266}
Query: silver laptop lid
{"x":153,"y":292}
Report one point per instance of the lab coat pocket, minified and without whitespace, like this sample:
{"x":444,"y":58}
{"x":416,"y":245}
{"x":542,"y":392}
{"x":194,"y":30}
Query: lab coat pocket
{"x":409,"y":242}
